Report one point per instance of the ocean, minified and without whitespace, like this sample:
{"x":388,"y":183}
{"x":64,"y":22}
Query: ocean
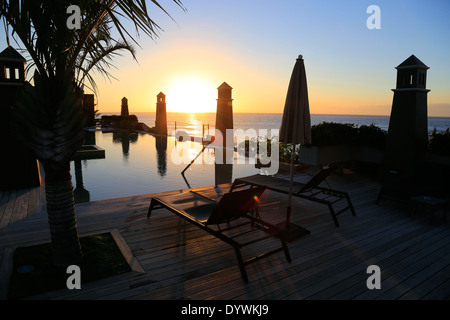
{"x":273,"y":121}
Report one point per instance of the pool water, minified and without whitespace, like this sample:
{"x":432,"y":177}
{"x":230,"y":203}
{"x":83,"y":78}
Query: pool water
{"x":138,"y":164}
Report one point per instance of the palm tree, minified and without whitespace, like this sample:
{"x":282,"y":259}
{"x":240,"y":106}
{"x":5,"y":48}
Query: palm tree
{"x":48,"y":115}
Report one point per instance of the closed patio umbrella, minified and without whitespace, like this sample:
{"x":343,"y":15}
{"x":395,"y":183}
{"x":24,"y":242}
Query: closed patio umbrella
{"x":296,"y":123}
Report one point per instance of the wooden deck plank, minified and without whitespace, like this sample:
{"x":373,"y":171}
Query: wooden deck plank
{"x":32,"y":206}
{"x":9,"y":209}
{"x":3,"y":204}
{"x":184,"y":262}
{"x":351,"y":287}
{"x":19,"y":210}
{"x":426,"y":287}
{"x":221,"y":288}
{"x":16,"y":205}
{"x":41,"y":199}
{"x":317,"y":270}
{"x":441,"y":292}
{"x":413,"y":272}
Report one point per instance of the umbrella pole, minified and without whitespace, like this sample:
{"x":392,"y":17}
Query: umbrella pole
{"x":288,"y":219}
{"x":291,"y":230}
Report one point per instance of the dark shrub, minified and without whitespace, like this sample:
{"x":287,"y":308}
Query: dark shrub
{"x":331,"y":133}
{"x":371,"y":136}
{"x":440,"y":142}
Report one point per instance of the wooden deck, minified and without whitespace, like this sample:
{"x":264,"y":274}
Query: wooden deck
{"x":16,"y":205}
{"x":183,"y":262}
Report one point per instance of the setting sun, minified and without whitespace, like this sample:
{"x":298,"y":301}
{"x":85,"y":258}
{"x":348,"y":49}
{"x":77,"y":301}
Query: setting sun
{"x":191,"y":94}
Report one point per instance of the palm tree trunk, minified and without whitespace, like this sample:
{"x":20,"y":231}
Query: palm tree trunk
{"x":61,"y":214}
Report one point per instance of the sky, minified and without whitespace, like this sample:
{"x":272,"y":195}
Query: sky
{"x":253,"y":45}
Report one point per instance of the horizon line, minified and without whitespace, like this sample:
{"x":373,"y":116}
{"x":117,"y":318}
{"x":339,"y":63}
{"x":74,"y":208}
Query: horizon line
{"x":278,"y":113}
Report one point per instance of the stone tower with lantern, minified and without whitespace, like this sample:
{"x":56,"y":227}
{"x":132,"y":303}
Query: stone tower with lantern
{"x":224,"y":121}
{"x":124,"y":109}
{"x":224,"y":113}
{"x":161,"y":115}
{"x":407,"y":138}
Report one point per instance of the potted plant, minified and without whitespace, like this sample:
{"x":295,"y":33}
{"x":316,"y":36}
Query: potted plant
{"x":285,"y":150}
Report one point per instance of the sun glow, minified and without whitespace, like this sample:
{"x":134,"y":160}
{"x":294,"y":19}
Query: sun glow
{"x":191,"y":94}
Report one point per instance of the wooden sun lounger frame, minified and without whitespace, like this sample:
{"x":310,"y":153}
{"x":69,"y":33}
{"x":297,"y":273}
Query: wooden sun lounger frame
{"x":309,"y":191}
{"x":254,"y":220}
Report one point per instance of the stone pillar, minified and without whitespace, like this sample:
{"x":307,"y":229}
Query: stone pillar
{"x":223,"y":173}
{"x":89,"y":109}
{"x":19,"y":167}
{"x":224,"y":113}
{"x":124,"y":111}
{"x":161,"y":115}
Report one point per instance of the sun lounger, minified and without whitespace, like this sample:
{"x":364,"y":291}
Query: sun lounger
{"x":210,"y":215}
{"x":310,"y":190}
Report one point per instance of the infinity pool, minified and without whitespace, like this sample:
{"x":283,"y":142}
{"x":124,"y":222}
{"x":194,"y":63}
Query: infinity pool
{"x":137,"y":164}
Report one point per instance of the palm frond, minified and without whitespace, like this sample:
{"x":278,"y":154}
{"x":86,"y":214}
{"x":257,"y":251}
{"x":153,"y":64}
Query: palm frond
{"x":53,"y":48}
{"x":48,"y":117}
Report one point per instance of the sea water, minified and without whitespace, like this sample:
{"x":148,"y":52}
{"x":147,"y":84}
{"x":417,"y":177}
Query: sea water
{"x":273,"y":121}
